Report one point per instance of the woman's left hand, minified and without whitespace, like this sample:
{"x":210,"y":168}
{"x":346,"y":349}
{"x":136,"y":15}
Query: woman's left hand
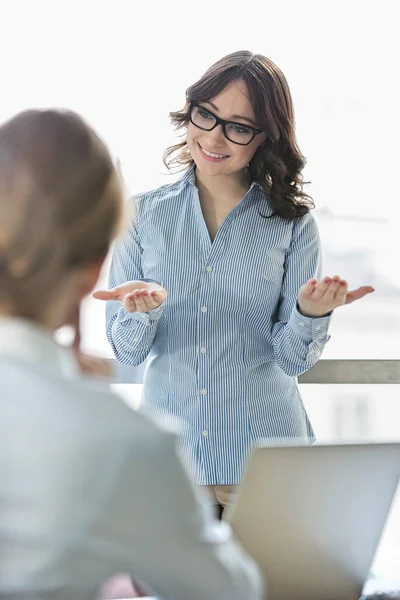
{"x":88,"y":365}
{"x":93,"y":365}
{"x":317,"y":299}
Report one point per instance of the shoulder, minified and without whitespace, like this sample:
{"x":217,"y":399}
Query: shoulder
{"x":292,"y":230}
{"x":83,"y":409}
{"x":305,"y":227}
{"x":109,"y":416}
{"x":144,"y":201}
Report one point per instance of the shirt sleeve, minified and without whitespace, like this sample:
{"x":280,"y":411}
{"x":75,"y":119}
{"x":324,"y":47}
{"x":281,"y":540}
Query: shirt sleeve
{"x":299,"y":341}
{"x":175,"y":549}
{"x":130,"y":335}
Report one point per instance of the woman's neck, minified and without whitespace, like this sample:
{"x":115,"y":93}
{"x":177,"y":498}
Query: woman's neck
{"x":51,"y":319}
{"x":4,"y":312}
{"x":16,"y":316}
{"x":225,"y":190}
{"x":219,"y":196}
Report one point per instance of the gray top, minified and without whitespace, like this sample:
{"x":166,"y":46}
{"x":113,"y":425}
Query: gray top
{"x":90,"y":488}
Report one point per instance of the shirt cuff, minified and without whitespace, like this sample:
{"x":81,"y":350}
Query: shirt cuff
{"x":149,"y":317}
{"x":309,"y":328}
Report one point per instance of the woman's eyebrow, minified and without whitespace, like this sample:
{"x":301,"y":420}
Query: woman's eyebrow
{"x":233,"y":117}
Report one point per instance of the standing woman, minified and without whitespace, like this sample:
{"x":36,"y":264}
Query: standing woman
{"x":234,"y":245}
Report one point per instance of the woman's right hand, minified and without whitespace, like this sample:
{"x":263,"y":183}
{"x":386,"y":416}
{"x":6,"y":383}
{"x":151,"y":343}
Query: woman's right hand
{"x":135,"y":296}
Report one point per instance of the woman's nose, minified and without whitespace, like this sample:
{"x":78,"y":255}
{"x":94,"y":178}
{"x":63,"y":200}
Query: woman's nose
{"x":216,"y":135}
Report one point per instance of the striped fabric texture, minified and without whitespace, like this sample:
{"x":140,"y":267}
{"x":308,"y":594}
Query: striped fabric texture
{"x":224,"y":351}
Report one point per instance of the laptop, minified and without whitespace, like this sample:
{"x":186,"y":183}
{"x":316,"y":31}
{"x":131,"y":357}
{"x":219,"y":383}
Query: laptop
{"x":312,"y":516}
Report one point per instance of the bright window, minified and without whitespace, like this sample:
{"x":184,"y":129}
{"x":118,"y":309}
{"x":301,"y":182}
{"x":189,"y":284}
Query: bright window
{"x":124,"y":65}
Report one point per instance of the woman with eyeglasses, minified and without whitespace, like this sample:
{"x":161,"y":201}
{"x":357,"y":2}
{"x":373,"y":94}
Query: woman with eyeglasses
{"x":235,"y":247}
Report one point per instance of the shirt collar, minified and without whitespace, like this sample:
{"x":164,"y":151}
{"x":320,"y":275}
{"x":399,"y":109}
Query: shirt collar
{"x":30,"y":342}
{"x":189,"y":176}
{"x":257,"y":191}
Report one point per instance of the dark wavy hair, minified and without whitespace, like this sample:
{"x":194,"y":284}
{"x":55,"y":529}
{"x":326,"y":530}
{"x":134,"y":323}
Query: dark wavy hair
{"x":278,"y":163}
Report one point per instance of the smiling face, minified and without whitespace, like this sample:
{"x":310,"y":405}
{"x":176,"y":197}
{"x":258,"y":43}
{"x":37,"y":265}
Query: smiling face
{"x":212,"y":152}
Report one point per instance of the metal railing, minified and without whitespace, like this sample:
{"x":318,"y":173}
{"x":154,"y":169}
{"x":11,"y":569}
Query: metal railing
{"x":324,"y":372}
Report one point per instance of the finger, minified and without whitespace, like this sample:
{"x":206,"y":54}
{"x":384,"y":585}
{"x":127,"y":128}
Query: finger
{"x":147,"y":300}
{"x":94,"y":365}
{"x":75,"y":322}
{"x":129,"y":303}
{"x":137,"y":296}
{"x":333,"y":287}
{"x":86,"y":363}
{"x":150,"y":302}
{"x":107,"y":294}
{"x":159,"y":296}
{"x":309,"y":287}
{"x":76,"y":343}
{"x":358,"y":294}
{"x":321,"y":288}
{"x":342,"y":291}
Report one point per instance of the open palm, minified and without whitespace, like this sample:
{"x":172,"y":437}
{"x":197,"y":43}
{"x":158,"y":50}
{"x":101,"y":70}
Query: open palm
{"x":316,"y":299}
{"x":135,"y":296}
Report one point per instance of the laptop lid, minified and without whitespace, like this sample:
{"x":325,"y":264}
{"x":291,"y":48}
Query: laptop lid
{"x":312,"y":516}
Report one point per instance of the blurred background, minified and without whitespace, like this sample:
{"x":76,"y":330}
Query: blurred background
{"x":124,"y":65}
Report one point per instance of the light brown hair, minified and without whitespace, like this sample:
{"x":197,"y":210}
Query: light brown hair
{"x":277,"y":164}
{"x":60,"y":205}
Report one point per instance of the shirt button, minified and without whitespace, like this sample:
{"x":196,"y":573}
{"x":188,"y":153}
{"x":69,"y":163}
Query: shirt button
{"x":318,"y":328}
{"x":209,"y":269}
{"x":301,"y":324}
{"x":203,"y":350}
{"x":204,"y":309}
{"x":204,"y":433}
{"x":203,"y":392}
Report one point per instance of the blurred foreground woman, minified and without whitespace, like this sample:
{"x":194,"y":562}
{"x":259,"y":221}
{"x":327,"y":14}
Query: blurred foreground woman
{"x":88,"y":488}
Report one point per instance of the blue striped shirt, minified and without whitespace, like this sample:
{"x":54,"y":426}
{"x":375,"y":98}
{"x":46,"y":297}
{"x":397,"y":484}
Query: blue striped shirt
{"x":224,"y":351}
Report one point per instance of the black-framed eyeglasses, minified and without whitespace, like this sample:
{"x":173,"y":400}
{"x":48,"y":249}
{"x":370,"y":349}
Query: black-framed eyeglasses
{"x":238,"y":133}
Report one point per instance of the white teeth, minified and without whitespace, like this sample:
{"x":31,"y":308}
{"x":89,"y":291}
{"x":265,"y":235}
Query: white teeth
{"x":212,"y":154}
